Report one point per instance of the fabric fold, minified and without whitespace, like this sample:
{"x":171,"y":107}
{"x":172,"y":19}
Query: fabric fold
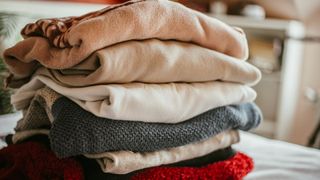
{"x":92,"y":169}
{"x":75,"y":131}
{"x":122,"y":162}
{"x":61,"y":43}
{"x":164,"y":103}
{"x":145,"y":88}
{"x":152,"y":61}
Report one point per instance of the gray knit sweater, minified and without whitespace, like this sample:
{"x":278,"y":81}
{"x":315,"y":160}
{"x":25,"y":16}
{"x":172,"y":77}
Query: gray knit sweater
{"x":75,"y":131}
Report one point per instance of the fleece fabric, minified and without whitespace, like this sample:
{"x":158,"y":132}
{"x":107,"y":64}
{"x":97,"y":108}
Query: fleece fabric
{"x":122,"y":162}
{"x":152,"y":61}
{"x":34,"y":160}
{"x":235,"y":168}
{"x":162,"y":103}
{"x":75,"y":131}
{"x":61,"y":43}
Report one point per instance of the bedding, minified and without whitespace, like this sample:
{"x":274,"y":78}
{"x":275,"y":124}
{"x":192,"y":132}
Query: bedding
{"x":279,"y":160}
{"x":64,"y":42}
{"x":7,"y":124}
{"x":141,"y":117}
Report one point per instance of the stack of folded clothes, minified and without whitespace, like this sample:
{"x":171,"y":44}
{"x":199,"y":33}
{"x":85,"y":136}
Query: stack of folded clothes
{"x":147,"y":89}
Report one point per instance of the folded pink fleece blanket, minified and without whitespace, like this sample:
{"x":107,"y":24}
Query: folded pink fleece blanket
{"x":61,"y":43}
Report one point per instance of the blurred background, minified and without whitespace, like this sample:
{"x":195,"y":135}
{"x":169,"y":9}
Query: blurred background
{"x":284,"y":41}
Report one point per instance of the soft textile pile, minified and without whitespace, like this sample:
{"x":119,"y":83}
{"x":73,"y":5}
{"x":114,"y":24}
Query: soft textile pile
{"x":34,"y":160}
{"x":144,"y":84}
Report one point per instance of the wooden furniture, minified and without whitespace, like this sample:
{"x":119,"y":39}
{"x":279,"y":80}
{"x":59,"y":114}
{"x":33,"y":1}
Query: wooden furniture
{"x":278,"y":90}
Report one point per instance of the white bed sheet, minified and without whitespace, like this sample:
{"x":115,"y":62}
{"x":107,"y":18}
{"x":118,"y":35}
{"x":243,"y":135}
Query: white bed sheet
{"x":274,"y":160}
{"x":7,"y":124}
{"x":279,"y":160}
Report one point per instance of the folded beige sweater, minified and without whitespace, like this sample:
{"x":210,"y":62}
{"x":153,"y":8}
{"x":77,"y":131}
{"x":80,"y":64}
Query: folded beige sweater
{"x":61,"y":43}
{"x":155,"y":61}
{"x":122,"y":162}
{"x":166,"y":103}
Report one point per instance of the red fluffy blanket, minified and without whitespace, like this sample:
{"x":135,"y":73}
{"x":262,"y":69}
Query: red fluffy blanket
{"x":33,"y":160}
{"x":234,"y":168}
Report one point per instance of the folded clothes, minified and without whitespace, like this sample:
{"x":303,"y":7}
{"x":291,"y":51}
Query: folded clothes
{"x":234,"y":168}
{"x":122,"y":162}
{"x":75,"y":131}
{"x":92,"y":170}
{"x":34,"y":160}
{"x":164,"y":103}
{"x":61,"y":43}
{"x":152,"y":61}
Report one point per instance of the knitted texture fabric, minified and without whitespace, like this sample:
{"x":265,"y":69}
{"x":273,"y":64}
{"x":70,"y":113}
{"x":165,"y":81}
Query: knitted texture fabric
{"x":38,"y":114}
{"x":33,"y":160}
{"x":123,"y":162}
{"x":234,"y":168}
{"x":75,"y":131}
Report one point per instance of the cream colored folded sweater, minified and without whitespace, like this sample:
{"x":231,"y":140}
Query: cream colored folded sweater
{"x":165,"y":103}
{"x":122,"y":162}
{"x":155,"y":61}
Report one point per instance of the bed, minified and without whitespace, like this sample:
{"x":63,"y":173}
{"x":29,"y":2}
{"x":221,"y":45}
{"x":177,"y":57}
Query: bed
{"x":279,"y":160}
{"x":273,"y":159}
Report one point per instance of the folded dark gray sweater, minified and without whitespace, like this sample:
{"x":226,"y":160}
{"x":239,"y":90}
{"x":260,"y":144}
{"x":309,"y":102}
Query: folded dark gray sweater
{"x":75,"y":131}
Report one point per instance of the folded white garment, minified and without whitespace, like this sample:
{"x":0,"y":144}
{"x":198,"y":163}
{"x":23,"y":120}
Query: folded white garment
{"x":166,"y":103}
